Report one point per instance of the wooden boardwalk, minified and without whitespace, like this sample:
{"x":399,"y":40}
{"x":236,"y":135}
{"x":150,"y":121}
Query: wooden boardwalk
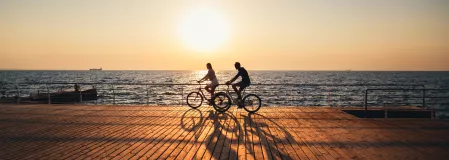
{"x":143,"y":132}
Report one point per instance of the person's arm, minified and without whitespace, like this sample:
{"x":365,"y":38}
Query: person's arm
{"x":205,"y":77}
{"x":235,"y":77}
{"x":202,"y":79}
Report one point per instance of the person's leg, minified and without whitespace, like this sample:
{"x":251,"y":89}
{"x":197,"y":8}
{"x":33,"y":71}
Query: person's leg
{"x":212,"y":91}
{"x":241,"y":88}
{"x":207,"y":88}
{"x":234,"y":86}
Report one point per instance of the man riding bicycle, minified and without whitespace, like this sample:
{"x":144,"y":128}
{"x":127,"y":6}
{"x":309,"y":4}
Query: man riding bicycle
{"x":242,"y":84}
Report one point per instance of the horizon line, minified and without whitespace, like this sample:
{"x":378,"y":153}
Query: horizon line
{"x":223,"y":70}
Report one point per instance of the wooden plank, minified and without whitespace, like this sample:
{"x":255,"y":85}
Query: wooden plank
{"x":35,"y":149}
{"x":96,"y":148}
{"x":154,"y":137}
{"x":218,"y":129}
{"x":230,"y":131}
{"x":158,"y":147}
{"x":202,"y":140}
{"x":362,"y":148}
{"x":117,"y":147}
{"x":271,"y":147}
{"x":337,"y":153}
{"x":115,"y":136}
{"x":279,"y":138}
{"x":369,"y":146}
{"x":132,"y":132}
{"x":283,"y":136}
{"x":177,"y":146}
{"x":92,"y":135}
{"x":260,"y":122}
{"x":232,"y":148}
{"x":303,"y":139}
{"x":258,"y":154}
{"x":241,"y":152}
{"x":296,"y":148}
{"x":146,"y":134}
{"x":192,"y":139}
{"x":334,"y":152}
{"x":209,"y":143}
{"x":222,"y":138}
{"x":313,"y":122}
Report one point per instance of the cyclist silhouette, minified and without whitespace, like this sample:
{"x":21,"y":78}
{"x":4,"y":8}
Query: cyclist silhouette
{"x":213,"y":80}
{"x":242,"y":84}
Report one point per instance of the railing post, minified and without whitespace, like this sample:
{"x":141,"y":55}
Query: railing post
{"x":18,"y":94}
{"x":366,"y":99}
{"x":113,"y":94}
{"x":366,"y":102}
{"x":424,"y":97}
{"x":96,"y":100}
{"x":148,"y":95}
{"x":48,"y":94}
{"x":81,"y":95}
{"x":182,"y":95}
{"x":291,"y":96}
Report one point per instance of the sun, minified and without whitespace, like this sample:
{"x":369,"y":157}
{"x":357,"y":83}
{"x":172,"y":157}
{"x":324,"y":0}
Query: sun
{"x":204,"y":29}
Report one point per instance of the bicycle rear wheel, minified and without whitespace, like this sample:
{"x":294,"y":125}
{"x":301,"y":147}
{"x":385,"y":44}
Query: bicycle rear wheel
{"x":194,"y":99}
{"x":222,"y":102}
{"x":252,"y":103}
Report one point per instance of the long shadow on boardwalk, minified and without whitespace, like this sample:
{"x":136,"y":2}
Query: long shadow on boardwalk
{"x":228,"y":128}
{"x":271,"y":134}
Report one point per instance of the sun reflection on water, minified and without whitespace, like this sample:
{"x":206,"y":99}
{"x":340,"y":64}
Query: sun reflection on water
{"x":200,"y":74}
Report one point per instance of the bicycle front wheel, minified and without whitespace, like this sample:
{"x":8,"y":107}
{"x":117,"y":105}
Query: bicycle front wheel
{"x":194,"y":99}
{"x":222,"y":102}
{"x":252,"y":103}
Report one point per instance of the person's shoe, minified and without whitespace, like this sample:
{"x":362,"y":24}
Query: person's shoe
{"x":210,"y":102}
{"x":239,"y":103}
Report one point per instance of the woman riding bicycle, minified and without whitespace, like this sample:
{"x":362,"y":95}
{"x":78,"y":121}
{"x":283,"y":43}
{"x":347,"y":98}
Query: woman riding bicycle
{"x":213,"y":80}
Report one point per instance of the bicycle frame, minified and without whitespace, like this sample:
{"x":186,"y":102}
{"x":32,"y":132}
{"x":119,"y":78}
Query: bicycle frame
{"x":230,"y":95}
{"x":200,"y":89}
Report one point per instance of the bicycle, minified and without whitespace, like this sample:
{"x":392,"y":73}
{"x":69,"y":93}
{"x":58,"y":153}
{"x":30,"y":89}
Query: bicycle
{"x":195,"y":99}
{"x":222,"y":101}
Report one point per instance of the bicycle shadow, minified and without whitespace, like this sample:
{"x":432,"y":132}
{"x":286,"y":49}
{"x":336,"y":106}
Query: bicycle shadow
{"x":270,"y":137}
{"x":230,"y":137}
{"x":210,"y":132}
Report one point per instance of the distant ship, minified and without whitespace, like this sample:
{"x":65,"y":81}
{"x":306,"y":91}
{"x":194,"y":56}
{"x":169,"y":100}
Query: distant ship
{"x":96,"y":69}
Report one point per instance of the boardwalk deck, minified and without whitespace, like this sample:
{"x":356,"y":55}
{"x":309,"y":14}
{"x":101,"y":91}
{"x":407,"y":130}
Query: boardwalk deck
{"x":143,"y":132}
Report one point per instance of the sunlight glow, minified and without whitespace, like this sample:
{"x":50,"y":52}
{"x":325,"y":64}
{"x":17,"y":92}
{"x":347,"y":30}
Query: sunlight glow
{"x":200,"y":74}
{"x":204,"y":29}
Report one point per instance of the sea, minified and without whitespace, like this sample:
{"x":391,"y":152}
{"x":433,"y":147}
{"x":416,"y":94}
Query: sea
{"x":292,"y":88}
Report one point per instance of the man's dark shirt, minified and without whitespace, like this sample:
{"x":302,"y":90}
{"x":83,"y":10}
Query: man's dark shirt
{"x":244,"y":74}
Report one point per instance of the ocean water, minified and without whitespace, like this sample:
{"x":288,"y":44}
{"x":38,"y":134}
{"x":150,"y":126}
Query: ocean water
{"x":433,"y":79}
{"x":297,"y":88}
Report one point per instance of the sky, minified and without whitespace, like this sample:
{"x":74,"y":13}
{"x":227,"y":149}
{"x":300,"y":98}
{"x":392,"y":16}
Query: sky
{"x":410,"y":35}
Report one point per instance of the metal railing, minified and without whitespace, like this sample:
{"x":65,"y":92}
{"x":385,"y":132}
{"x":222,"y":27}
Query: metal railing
{"x":388,"y":96}
{"x":423,"y":98}
{"x":345,"y":95}
{"x":174,"y":94}
{"x":434,"y":101}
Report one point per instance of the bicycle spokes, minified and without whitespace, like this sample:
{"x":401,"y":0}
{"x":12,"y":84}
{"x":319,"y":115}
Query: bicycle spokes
{"x":221,"y":102}
{"x":252,"y":103}
{"x":194,"y":99}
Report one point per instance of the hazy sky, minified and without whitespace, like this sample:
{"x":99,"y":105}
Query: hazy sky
{"x":261,"y":34}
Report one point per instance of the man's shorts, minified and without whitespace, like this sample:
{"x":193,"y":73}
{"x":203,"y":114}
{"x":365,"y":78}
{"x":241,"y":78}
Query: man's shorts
{"x":242,"y":84}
